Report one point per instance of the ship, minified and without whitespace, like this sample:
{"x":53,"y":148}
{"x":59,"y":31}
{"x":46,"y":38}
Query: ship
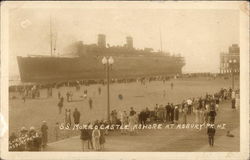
{"x":84,"y":62}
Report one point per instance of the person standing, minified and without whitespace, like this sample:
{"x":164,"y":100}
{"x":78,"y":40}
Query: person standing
{"x":217,"y":101}
{"x":76,"y":116}
{"x":233,"y":103}
{"x":115,"y":117}
{"x":90,"y":140}
{"x":196,"y":112}
{"x":24,"y":98}
{"x":85,"y":94}
{"x":142,"y":117}
{"x":206,"y":115}
{"x":126,"y":122}
{"x":202,"y":112}
{"x":96,"y":139}
{"x":68,"y":96}
{"x":185,"y":110}
{"x":102,"y":139}
{"x":59,"y":95}
{"x":71,"y":96}
{"x":212,"y":114}
{"x":99,"y":90}
{"x":68,"y":117}
{"x":211,"y":133}
{"x":237,"y":100}
{"x":168,"y":110}
{"x":132,"y":111}
{"x":189,"y":103}
{"x":60,"y":105}
{"x":90,"y":103}
{"x":122,"y":119}
{"x":57,"y":131}
{"x":44,"y":131}
{"x":131,"y":120}
{"x":84,"y":138}
{"x":172,"y":85}
{"x":176,"y":114}
{"x":233,"y":95}
{"x":147,"y":114}
{"x":112,"y":117}
{"x":172,"y":113}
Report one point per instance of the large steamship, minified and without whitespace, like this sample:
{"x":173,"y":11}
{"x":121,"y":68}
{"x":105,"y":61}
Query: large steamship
{"x":85,"y":63}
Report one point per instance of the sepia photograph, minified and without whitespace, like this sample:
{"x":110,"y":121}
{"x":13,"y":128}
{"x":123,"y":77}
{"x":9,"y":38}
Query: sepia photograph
{"x":86,"y":78}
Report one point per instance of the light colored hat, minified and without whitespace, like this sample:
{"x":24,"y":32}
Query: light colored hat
{"x":32,"y":128}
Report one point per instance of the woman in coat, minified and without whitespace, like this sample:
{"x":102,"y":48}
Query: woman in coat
{"x":96,"y":139}
{"x":102,"y":139}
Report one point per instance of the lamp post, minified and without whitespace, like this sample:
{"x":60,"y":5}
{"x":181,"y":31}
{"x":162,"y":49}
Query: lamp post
{"x":232,"y":64}
{"x":107,"y":62}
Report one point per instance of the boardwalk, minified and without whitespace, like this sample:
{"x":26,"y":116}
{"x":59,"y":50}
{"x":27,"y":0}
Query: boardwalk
{"x":168,"y":140}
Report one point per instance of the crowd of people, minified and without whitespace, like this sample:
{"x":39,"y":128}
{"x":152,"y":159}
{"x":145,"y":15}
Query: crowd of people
{"x":33,"y":89}
{"x":29,"y":140}
{"x":204,"y":109}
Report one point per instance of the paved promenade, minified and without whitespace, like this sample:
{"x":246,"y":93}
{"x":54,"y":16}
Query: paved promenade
{"x":174,"y":140}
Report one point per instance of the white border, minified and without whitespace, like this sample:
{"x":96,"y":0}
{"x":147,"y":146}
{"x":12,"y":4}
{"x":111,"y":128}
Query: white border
{"x":244,"y":82}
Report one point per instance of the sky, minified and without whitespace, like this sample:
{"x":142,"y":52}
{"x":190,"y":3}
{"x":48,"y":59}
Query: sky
{"x":199,"y":35}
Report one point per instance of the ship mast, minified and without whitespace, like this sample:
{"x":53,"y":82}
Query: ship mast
{"x":50,"y":37}
{"x":55,"y":45}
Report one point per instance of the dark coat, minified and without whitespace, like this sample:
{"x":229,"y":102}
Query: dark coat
{"x":44,"y":130}
{"x":176,"y":114}
{"x":85,"y":135}
{"x":76,"y":116}
{"x":210,"y":131}
{"x":168,"y":109}
{"x":102,"y":137}
{"x":212,"y":114}
{"x":172,"y":113}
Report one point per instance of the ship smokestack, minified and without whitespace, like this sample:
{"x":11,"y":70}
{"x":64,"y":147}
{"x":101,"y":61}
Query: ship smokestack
{"x":101,"y":41}
{"x":129,"y":41}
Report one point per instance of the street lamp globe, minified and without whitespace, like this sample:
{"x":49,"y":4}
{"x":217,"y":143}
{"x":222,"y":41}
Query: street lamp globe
{"x":111,"y":60}
{"x":230,"y":61}
{"x":104,"y":60}
{"x":234,"y":61}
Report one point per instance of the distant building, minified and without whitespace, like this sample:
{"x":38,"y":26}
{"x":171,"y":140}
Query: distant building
{"x":230,"y":62}
{"x":101,"y":41}
{"x":129,"y":41}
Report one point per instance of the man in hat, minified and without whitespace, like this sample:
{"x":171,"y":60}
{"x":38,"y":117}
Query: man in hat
{"x":211,"y":133}
{"x":44,"y":131}
{"x":212,"y":114}
{"x":76,"y":116}
{"x":85,"y":137}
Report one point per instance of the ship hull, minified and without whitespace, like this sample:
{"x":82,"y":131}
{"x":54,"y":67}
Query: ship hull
{"x":38,"y":69}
